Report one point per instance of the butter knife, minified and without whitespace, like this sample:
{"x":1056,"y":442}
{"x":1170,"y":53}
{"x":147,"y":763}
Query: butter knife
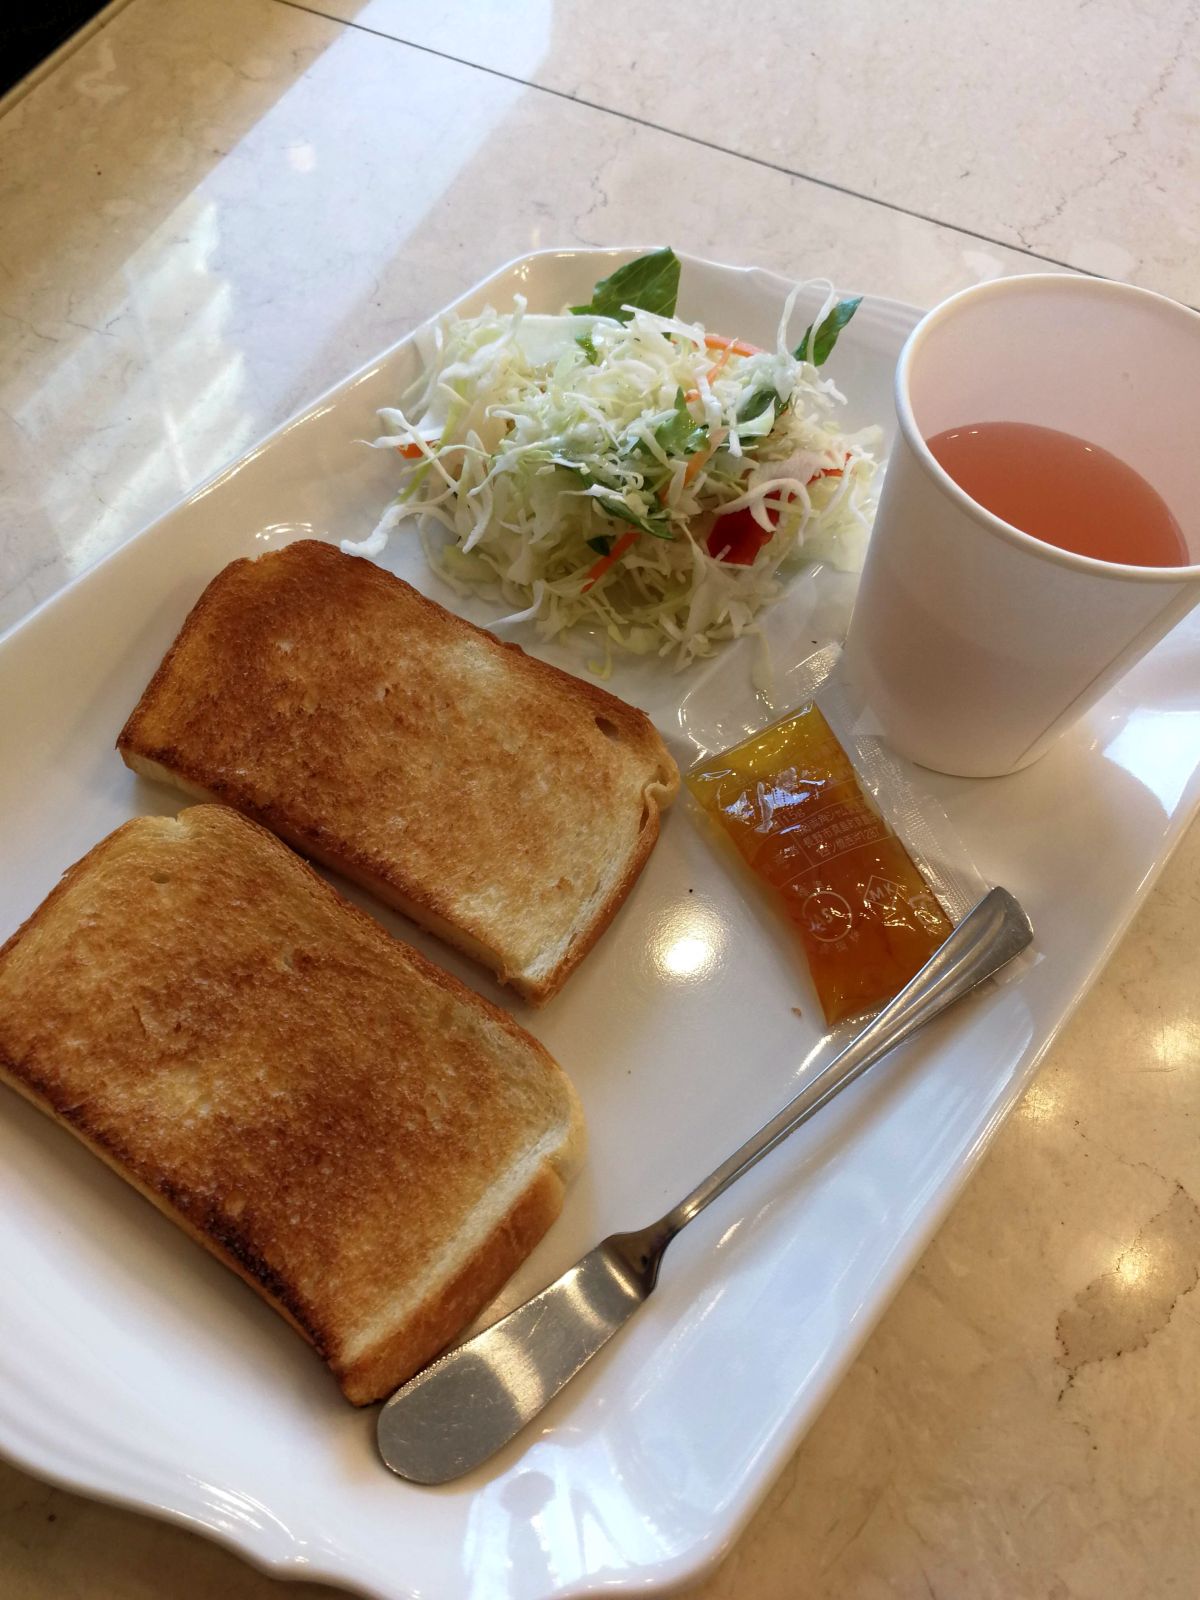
{"x":463,"y":1407}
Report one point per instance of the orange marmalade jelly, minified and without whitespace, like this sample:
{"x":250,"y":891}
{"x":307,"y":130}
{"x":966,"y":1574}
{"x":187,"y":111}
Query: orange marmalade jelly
{"x":790,"y":800}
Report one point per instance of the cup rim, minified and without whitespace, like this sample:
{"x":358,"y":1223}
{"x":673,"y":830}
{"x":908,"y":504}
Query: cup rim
{"x":1056,"y":282}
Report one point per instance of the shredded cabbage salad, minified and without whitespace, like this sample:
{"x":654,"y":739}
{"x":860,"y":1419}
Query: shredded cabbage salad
{"x":618,"y":468}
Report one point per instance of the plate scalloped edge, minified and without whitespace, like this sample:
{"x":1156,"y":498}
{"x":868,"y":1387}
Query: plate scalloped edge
{"x":244,"y":1524}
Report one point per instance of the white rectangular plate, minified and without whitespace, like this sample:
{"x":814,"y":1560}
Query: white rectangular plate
{"x":134,"y":1367}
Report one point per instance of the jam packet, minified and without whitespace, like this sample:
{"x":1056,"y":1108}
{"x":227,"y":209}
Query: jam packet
{"x":790,"y":800}
{"x":861,"y":860}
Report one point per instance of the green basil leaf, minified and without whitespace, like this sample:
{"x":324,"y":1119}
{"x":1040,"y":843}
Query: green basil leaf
{"x":680,"y":434}
{"x":615,"y":507}
{"x":649,"y":283}
{"x":826,"y":336}
{"x":757,"y":402}
{"x":619,"y":510}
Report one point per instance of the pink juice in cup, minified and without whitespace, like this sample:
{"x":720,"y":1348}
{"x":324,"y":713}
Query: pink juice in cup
{"x":1039,"y":524}
{"x":1062,"y":490}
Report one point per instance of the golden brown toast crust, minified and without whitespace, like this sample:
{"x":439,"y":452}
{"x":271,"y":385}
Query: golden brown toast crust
{"x":365,"y":1141}
{"x":503,"y":804}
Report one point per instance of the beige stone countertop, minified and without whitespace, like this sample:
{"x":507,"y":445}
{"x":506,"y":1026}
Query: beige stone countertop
{"x":212,"y":209}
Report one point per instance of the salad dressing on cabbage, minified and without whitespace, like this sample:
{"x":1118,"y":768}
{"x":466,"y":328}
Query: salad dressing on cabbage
{"x":617,"y":468}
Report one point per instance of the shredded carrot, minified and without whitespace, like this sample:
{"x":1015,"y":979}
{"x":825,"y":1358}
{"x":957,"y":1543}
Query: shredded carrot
{"x":690,"y":471}
{"x":831,"y":472}
{"x":412,"y":450}
{"x":727,"y":347}
{"x":697,"y":461}
{"x":717,"y":367}
{"x":596,"y":572}
{"x":735,"y":347}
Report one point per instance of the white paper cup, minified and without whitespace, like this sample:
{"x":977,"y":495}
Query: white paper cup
{"x":973,"y":643}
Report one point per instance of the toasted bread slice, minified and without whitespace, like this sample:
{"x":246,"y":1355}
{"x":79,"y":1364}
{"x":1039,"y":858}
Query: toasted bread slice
{"x":366,"y":1142}
{"x":502,"y":804}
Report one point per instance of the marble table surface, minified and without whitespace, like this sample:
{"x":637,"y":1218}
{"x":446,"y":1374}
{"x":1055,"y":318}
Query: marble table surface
{"x":211,"y":209}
